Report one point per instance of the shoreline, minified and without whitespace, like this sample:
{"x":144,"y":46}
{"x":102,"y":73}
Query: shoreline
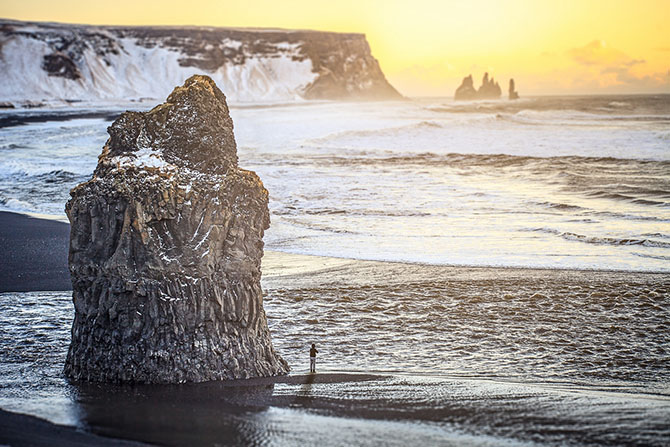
{"x":384,"y":396}
{"x":36,"y":249}
{"x":334,"y":259}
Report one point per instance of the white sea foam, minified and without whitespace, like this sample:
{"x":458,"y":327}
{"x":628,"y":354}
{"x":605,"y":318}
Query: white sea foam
{"x":407,"y":181}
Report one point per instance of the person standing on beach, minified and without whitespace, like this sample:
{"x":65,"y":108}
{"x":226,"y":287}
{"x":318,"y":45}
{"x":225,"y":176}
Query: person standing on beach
{"x":312,"y":359}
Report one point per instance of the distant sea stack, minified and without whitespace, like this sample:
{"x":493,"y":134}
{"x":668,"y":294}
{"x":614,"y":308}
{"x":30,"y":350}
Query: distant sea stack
{"x":47,"y":62}
{"x":513,"y":94}
{"x":165,"y":251}
{"x":466,"y":90}
{"x":489,"y":89}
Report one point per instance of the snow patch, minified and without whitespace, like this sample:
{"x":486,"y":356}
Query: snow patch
{"x":143,"y":158}
{"x":138,"y":72}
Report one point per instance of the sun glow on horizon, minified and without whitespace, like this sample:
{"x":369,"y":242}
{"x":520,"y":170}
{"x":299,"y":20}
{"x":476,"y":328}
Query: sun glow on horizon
{"x":426,"y":47}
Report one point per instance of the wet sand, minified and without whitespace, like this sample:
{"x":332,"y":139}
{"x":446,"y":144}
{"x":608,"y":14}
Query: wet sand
{"x":18,"y":430}
{"x":119,"y":413}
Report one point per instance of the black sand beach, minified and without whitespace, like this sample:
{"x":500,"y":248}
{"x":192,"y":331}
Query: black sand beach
{"x":34,"y":253}
{"x":408,"y":353}
{"x":18,"y":430}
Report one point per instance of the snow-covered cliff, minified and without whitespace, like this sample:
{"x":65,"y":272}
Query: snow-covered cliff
{"x":48,"y":62}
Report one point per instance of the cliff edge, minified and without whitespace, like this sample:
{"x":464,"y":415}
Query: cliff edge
{"x":75,"y":63}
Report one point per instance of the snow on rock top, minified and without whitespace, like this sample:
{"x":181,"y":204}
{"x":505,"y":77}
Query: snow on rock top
{"x":191,"y":130}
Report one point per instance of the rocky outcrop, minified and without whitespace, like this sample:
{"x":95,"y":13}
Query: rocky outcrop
{"x":165,"y":251}
{"x":513,"y":94}
{"x":489,"y":89}
{"x":466,"y":90}
{"x":93,"y":63}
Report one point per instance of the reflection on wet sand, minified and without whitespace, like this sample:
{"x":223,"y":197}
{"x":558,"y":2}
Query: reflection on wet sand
{"x":306,"y":388}
{"x":210,"y":413}
{"x":188,"y":414}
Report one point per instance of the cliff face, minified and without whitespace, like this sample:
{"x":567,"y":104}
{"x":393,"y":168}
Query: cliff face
{"x":46,"y":62}
{"x":165,"y":251}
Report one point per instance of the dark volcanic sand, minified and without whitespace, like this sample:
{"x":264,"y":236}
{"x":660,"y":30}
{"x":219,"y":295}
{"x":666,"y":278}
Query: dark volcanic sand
{"x":34,"y":254}
{"x":19,"y":430}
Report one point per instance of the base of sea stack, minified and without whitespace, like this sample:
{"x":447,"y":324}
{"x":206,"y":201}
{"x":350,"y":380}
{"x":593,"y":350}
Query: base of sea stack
{"x":176,"y":358}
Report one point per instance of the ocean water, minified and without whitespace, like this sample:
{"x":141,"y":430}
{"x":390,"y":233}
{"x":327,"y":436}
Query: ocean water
{"x":464,"y":356}
{"x":557,"y":182}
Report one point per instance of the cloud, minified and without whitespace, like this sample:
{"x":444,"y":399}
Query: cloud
{"x":610,"y":68}
{"x":598,"y":53}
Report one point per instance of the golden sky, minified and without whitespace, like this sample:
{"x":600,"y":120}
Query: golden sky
{"x":426,"y":47}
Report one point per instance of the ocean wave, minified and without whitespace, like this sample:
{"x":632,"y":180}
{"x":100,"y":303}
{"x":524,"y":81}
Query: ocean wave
{"x":293,"y":211}
{"x":11,"y":204}
{"x":58,"y":176}
{"x":560,"y":206}
{"x":659,"y":257}
{"x":316,"y":226}
{"x":11,"y":146}
{"x":600,"y":240}
{"x":649,"y":202}
{"x":626,"y":216}
{"x":649,"y":106}
{"x":645,"y":190}
{"x":386,"y":131}
{"x":26,"y":169}
{"x":661,"y":235}
{"x":574,"y":118}
{"x":628,"y":198}
{"x":571,"y":165}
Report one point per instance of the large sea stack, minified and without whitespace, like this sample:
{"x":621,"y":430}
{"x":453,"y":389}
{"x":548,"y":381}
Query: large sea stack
{"x":165,"y":251}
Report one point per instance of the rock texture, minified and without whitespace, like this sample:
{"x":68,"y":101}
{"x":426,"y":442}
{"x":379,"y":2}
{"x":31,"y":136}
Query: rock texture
{"x":489,"y":89}
{"x":165,"y":251}
{"x":513,"y":94}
